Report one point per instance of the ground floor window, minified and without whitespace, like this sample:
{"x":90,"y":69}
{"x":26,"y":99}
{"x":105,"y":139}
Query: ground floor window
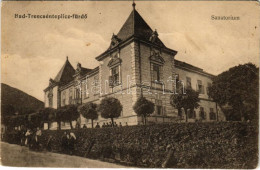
{"x":202,"y":113}
{"x":158,"y":107}
{"x":212,"y":114}
{"x":191,"y":114}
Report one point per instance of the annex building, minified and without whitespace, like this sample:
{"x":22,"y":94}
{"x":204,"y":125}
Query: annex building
{"x":136,"y":62}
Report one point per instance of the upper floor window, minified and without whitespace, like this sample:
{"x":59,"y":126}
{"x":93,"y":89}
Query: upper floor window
{"x":156,"y":66}
{"x":96,"y":83}
{"x":209,"y":85}
{"x":64,"y":98}
{"x":114,"y":64}
{"x":85,"y":89}
{"x":188,"y":82}
{"x":50,"y":101}
{"x":156,"y":73}
{"x":70,"y":96}
{"x":200,"y":87}
{"x":77,"y":93}
{"x":114,"y":78}
{"x":50,"y":97}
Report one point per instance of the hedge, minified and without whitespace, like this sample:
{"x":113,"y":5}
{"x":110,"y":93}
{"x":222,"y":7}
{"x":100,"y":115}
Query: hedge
{"x":185,"y":145}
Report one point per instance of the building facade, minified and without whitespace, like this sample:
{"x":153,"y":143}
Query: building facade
{"x":136,"y":63}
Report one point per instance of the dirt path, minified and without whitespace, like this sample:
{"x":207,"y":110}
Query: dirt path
{"x":20,"y":156}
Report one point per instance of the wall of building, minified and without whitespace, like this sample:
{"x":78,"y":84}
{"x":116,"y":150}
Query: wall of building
{"x":135,"y":66}
{"x":205,"y":101}
{"x":183,"y":74}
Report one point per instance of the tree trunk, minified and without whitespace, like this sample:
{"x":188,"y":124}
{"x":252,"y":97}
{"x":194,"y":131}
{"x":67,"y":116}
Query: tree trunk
{"x":48,"y":125}
{"x":92,"y":123}
{"x":71,"y":125}
{"x":144,"y":120}
{"x":186,"y":113}
{"x":112,"y":119}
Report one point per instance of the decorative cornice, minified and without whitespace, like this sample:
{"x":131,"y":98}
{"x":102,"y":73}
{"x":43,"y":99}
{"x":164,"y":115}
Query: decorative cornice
{"x":130,"y":40}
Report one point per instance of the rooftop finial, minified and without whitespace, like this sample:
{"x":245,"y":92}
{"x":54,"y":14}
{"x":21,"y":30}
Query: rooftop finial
{"x":133,"y":4}
{"x":67,"y":58}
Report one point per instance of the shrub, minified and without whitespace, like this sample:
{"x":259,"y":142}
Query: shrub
{"x":110,"y":107}
{"x":143,"y":107}
{"x":219,"y":145}
{"x":89,"y":111}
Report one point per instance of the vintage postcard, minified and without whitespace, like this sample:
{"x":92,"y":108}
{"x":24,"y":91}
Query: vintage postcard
{"x":130,"y":84}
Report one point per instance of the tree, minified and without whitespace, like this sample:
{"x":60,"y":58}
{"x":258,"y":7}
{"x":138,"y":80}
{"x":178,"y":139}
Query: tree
{"x":110,"y":107}
{"x":7,"y":111}
{"x":143,"y":107}
{"x":48,"y":114}
{"x":89,"y":111}
{"x":188,"y":99}
{"x":68,"y":113}
{"x":238,"y":88}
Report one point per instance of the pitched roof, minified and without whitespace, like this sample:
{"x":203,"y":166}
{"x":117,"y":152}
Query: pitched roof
{"x":66,"y":73}
{"x":136,"y":26}
{"x":186,"y":66}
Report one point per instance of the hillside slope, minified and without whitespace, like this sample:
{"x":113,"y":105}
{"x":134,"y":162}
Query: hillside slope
{"x":17,"y":100}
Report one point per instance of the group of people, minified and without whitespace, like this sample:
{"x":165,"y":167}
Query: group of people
{"x":67,"y":142}
{"x":105,"y":125}
{"x":31,"y":138}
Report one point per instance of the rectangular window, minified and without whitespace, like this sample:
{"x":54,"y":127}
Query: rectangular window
{"x":159,"y":110}
{"x":176,"y":81}
{"x":188,"y":82}
{"x":209,"y":85}
{"x":212,"y":114}
{"x":200,"y":87}
{"x":50,"y":101}
{"x":64,"y":98}
{"x":158,"y":106}
{"x":85,"y":89}
{"x":96,"y":84}
{"x":191,"y":114}
{"x":156,"y":73}
{"x":115,"y":74}
{"x":70,"y":96}
{"x":202,"y":113}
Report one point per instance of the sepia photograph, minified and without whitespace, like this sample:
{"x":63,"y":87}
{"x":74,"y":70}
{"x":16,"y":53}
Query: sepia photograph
{"x":130,"y":84}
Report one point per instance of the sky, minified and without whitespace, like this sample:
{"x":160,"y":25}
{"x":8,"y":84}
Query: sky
{"x":34,"y":50}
